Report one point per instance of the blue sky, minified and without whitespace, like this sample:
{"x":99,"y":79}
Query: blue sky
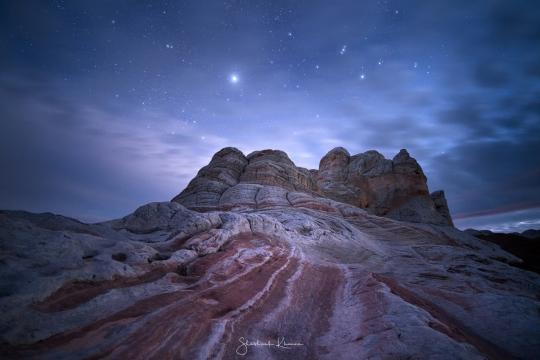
{"x":114,"y":104}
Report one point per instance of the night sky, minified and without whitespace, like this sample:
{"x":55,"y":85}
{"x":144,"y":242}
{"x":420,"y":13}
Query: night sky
{"x":106,"y":105}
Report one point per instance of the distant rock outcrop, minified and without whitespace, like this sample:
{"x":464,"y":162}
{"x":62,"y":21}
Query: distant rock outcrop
{"x":525,"y":245}
{"x":394,"y":188}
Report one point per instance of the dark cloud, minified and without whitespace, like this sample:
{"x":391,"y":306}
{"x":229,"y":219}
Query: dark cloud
{"x":515,"y":23}
{"x":533,"y":68}
{"x":483,"y":176}
{"x":488,"y":75}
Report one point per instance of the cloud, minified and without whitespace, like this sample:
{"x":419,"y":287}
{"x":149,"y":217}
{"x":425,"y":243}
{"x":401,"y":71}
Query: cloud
{"x":79,"y":160}
{"x":488,"y":75}
{"x":508,"y":221}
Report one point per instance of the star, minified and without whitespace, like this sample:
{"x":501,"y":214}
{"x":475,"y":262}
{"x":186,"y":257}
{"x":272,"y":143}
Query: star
{"x":362,"y":76}
{"x":234,"y":78}
{"x":343,"y":50}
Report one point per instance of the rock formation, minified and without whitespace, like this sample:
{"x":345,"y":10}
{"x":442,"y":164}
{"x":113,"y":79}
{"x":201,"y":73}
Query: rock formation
{"x":394,"y":188}
{"x":257,"y":249}
{"x":525,"y":245}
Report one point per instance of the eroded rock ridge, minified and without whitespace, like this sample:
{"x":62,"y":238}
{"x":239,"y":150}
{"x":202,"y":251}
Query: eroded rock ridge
{"x":394,"y":188}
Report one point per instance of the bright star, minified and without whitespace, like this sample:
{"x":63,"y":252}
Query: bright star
{"x":343,"y":50}
{"x":234,"y":78}
{"x":362,"y":76}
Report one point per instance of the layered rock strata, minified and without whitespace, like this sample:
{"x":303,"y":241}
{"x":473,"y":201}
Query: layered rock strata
{"x":394,"y":188}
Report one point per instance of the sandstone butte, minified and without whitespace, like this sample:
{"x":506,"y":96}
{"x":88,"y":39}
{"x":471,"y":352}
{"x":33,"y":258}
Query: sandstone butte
{"x":355,"y":260}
